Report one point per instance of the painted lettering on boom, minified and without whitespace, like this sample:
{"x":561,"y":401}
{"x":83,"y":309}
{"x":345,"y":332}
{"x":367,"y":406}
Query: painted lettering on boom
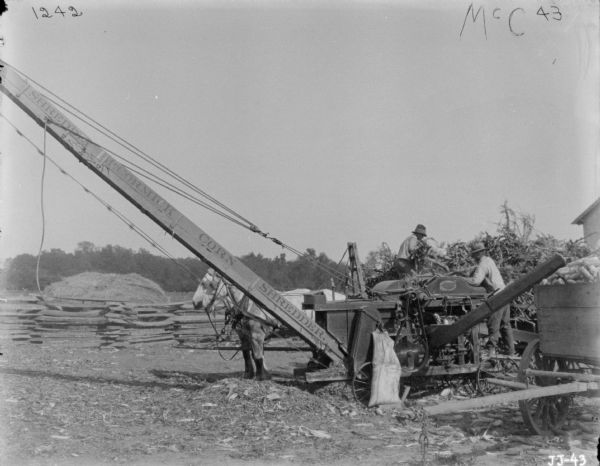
{"x":50,"y":111}
{"x":279,"y":300}
{"x":290,"y":309}
{"x":211,"y":245}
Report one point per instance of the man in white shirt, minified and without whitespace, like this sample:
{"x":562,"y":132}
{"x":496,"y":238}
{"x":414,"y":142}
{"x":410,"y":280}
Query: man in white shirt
{"x":406,"y":259}
{"x":486,"y":274}
{"x":414,"y":248}
{"x":410,"y":245}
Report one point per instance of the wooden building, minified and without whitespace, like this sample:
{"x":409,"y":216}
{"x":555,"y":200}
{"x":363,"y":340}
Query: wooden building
{"x":590,"y":219}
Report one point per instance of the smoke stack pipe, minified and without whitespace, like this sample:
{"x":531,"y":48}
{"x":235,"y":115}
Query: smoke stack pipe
{"x":443,"y":334}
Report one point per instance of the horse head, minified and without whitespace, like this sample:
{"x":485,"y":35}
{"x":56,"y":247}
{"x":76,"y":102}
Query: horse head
{"x":214,"y":292}
{"x":211,"y":288}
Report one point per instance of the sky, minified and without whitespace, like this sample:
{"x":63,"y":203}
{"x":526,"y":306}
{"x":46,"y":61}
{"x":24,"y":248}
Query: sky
{"x":320,"y":122}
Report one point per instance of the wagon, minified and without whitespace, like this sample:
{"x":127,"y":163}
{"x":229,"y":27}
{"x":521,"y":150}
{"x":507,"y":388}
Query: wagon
{"x":562,"y":360}
{"x":566,"y":355}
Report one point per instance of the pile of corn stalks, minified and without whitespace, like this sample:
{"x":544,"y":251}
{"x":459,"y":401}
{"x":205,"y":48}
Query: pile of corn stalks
{"x":584,"y":270}
{"x":516,"y":248}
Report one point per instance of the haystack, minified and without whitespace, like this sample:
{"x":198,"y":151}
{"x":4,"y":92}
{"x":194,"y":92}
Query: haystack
{"x":108,"y":286}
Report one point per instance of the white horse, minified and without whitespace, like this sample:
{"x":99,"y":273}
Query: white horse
{"x":251,"y":323}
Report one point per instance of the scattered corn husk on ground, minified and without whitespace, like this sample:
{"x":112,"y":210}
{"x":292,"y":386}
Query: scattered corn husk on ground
{"x":584,"y":270}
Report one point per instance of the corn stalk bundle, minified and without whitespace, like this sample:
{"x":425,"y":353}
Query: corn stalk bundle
{"x":584,"y":270}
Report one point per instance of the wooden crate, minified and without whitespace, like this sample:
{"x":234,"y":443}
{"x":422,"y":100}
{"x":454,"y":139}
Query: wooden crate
{"x":569,"y":320}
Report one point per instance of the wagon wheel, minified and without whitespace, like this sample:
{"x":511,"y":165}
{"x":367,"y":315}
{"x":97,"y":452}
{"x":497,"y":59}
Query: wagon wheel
{"x":361,"y":383}
{"x":543,"y":415}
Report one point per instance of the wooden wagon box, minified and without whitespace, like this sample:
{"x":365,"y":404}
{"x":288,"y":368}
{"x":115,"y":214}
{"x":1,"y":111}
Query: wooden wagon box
{"x":569,"y":320}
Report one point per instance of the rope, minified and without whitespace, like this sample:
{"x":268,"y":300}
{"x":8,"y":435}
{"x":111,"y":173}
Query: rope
{"x":218,"y":334}
{"x":114,"y":211}
{"x":111,"y":209}
{"x":126,"y":145}
{"x":142,"y":172}
{"x":146,"y":174}
{"x":208,"y":308}
{"x":230,"y":215}
{"x":123,"y":218}
{"x":39,"y":255}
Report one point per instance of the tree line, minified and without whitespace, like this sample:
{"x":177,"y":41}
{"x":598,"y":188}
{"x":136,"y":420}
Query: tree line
{"x":514,"y":246}
{"x":179,"y":275}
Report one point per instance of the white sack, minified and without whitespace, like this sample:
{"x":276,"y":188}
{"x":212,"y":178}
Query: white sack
{"x":385,"y":384}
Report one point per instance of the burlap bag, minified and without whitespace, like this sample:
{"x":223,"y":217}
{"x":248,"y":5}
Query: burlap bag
{"x":385,"y":383}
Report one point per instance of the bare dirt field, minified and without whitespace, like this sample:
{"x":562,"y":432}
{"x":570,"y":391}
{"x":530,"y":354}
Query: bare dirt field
{"x":71,"y":403}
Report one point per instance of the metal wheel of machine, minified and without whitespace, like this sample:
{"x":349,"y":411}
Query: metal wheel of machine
{"x":361,"y":383}
{"x":544,"y":415}
{"x":499,"y":367}
{"x":483,"y":387}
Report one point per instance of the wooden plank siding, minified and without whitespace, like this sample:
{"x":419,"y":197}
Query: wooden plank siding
{"x":569,"y":320}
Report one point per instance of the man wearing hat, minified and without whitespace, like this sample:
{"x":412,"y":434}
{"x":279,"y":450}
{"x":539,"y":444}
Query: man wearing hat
{"x":486,"y":274}
{"x":410,"y":245}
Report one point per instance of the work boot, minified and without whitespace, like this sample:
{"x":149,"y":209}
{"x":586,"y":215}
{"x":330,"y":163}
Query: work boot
{"x":261,"y":371}
{"x":511,"y":352}
{"x":249,"y":366}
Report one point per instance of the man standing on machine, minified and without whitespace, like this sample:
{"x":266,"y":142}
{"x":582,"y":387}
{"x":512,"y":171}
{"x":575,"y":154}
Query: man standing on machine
{"x":486,"y":274}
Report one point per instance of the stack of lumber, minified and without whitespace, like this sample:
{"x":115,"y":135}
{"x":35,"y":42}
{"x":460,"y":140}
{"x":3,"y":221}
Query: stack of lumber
{"x":17,"y":317}
{"x":584,"y":270}
{"x":194,"y":326}
{"x":34,"y":319}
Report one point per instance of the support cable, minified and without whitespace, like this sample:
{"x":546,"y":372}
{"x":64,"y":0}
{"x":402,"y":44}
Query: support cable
{"x":81,"y":116}
{"x":169,"y":186}
{"x":111,"y":209}
{"x":146,"y":174}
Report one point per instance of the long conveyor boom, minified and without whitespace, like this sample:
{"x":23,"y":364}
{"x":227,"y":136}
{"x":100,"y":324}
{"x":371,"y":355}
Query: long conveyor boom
{"x":196,"y":240}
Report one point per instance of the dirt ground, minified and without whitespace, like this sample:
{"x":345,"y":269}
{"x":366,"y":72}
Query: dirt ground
{"x":70,"y":403}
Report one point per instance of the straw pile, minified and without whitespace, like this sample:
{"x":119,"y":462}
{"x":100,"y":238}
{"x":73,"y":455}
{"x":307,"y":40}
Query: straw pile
{"x":107,"y":286}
